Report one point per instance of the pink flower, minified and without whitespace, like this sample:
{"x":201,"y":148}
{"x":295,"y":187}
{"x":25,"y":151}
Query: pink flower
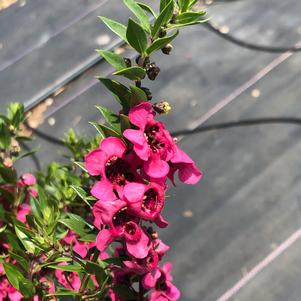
{"x":121,"y":224}
{"x":8,"y":292}
{"x":110,"y":162}
{"x":27,"y":179}
{"x":23,"y":211}
{"x":188,"y":172}
{"x":152,"y":142}
{"x":80,"y":248}
{"x":142,"y":266}
{"x":145,"y":201}
{"x":160,"y":281}
{"x":69,"y":280}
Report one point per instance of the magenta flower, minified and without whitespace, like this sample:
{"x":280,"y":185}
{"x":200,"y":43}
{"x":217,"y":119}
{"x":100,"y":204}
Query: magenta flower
{"x":160,"y":281}
{"x":121,"y":224}
{"x":69,"y":280}
{"x":188,"y":171}
{"x":115,"y":168}
{"x":8,"y":292}
{"x":142,"y":266}
{"x":27,"y":179}
{"x":145,"y":201}
{"x":151,"y":141}
{"x":23,"y":211}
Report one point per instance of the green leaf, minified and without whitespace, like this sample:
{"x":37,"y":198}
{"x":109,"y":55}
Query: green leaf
{"x":163,"y":4}
{"x":22,"y":260}
{"x":110,"y":117}
{"x":124,"y":122}
{"x":15,"y":113}
{"x":67,"y":268}
{"x":161,"y":42}
{"x":136,"y":36}
{"x":139,"y":13}
{"x":81,"y":165}
{"x":120,"y":91}
{"x":26,"y":154}
{"x":25,"y":240}
{"x":184,"y":5}
{"x":9,"y":175}
{"x":116,"y":27}
{"x":95,"y":269}
{"x":98,"y":129}
{"x":132,"y":73}
{"x":112,"y":58}
{"x":108,"y":132}
{"x":147,"y":9}
{"x":64,"y":292}
{"x":137,"y":95}
{"x":190,"y":17}
{"x":5,"y":136}
{"x":18,"y":281}
{"x":124,"y":291}
{"x":164,"y":17}
{"x":82,"y":194}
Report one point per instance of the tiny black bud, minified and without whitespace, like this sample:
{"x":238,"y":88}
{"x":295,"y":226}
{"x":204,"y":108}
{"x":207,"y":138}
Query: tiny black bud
{"x":162,"y":33}
{"x":128,"y":62}
{"x":152,"y":71}
{"x":167,"y":49}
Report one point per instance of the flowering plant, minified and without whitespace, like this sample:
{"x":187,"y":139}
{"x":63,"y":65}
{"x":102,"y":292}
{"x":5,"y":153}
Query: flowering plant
{"x":86,"y":230}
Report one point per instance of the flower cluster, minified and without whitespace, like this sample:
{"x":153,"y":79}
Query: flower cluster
{"x":133,"y":172}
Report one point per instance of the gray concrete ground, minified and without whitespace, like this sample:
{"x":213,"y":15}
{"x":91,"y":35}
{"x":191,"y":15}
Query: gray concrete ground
{"x":248,"y":202}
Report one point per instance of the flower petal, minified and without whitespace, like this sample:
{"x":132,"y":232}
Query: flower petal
{"x":104,"y":239}
{"x":155,"y":167}
{"x":139,"y":248}
{"x":150,"y":279}
{"x":135,"y":136}
{"x":113,"y":146}
{"x":103,"y":190}
{"x":141,"y":114}
{"x":189,"y":173}
{"x":95,"y":162}
{"x":133,"y":192}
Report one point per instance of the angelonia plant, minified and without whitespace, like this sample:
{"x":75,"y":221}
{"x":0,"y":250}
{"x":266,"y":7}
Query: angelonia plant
{"x":87,"y":230}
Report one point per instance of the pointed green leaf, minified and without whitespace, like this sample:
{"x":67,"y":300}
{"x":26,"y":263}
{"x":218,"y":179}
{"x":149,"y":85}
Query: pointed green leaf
{"x":108,"y":132}
{"x":147,"y":9}
{"x":132,"y":73}
{"x":82,"y":194}
{"x":81,"y":165}
{"x":5,"y":136}
{"x":163,"y":4}
{"x":139,"y":13}
{"x":160,"y":43}
{"x":110,"y":117}
{"x":18,"y":281}
{"x":124,"y":122}
{"x":184,"y":5}
{"x":137,"y":95}
{"x":98,"y":129}
{"x":95,"y":269}
{"x":67,"y":268}
{"x":116,"y":27}
{"x":136,"y":36}
{"x":120,"y":91}
{"x":112,"y":58}
{"x":190,"y":17}
{"x":25,"y":240}
{"x":163,"y":18}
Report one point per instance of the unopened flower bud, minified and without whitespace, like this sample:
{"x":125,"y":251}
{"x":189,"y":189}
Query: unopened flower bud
{"x":12,"y":129}
{"x":167,"y":49}
{"x":152,"y":71}
{"x":162,"y":107}
{"x":128,"y":62}
{"x":162,"y":33}
{"x":8,"y":162}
